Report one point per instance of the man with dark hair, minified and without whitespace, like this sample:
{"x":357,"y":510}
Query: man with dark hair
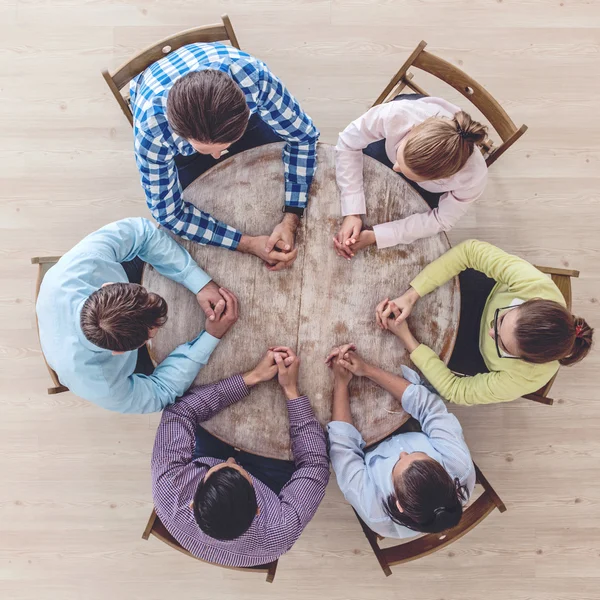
{"x":230,"y":507}
{"x":198,"y":102}
{"x":95,"y":318}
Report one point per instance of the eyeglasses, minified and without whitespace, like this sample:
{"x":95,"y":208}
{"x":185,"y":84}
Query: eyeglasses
{"x":501,"y":352}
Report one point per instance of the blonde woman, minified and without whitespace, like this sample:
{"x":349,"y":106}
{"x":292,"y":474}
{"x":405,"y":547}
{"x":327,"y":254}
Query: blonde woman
{"x":429,"y":142}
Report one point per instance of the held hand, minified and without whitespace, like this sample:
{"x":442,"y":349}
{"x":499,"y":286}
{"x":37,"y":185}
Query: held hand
{"x":401,"y":307}
{"x":274,"y":260}
{"x":341,"y":375}
{"x":265,"y":370}
{"x":222,"y":324}
{"x":211,"y":301}
{"x":354,"y":363}
{"x":348,"y":234}
{"x":284,"y":234}
{"x":288,"y":366}
{"x":402,"y":331}
{"x":365,"y":239}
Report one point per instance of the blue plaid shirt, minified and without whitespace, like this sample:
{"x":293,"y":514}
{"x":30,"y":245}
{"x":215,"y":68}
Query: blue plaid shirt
{"x":156,"y":145}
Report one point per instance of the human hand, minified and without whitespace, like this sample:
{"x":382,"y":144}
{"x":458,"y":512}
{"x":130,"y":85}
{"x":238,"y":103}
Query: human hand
{"x":365,"y":239}
{"x":265,"y":370}
{"x":222,"y":324}
{"x":341,"y":375}
{"x":284,"y":234}
{"x":401,"y":307}
{"x":275,"y":260}
{"x":348,"y":234}
{"x":401,"y":330}
{"x":354,"y":363}
{"x":288,"y":366}
{"x":211,"y":301}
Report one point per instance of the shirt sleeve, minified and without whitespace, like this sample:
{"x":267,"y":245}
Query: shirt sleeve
{"x":516,"y":273}
{"x":346,"y":450}
{"x":484,"y":388}
{"x":422,"y":225}
{"x":176,"y":434}
{"x":443,"y":430}
{"x":365,"y":130}
{"x":151,"y":393}
{"x":156,"y":162}
{"x":301,"y":495}
{"x":282,"y":112}
{"x":124,"y":240}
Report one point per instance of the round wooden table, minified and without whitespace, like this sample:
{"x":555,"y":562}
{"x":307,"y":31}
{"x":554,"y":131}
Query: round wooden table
{"x":322,"y":301}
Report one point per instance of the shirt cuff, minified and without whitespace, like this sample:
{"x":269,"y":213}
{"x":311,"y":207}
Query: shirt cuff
{"x":420,"y":355}
{"x":385,"y":235}
{"x":296,"y":195}
{"x":196,"y":280}
{"x":202,"y":347}
{"x":422,"y":285}
{"x":299,"y":409}
{"x":236,"y":388}
{"x":354,"y":204}
{"x":341,"y":428}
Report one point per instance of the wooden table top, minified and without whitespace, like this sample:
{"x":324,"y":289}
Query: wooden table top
{"x":322,"y":301}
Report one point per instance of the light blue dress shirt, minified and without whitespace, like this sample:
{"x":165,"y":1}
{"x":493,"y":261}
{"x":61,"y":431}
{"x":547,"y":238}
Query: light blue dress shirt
{"x":365,"y":478}
{"x":92,"y":372}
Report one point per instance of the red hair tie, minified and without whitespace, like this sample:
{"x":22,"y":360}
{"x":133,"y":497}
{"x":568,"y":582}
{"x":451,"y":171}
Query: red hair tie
{"x":578,"y":331}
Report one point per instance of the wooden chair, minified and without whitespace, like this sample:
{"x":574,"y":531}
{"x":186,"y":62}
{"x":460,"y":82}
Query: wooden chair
{"x":432,"y":542}
{"x":119,"y":80}
{"x":44,"y":264}
{"x":465,"y":85}
{"x":562,"y":279}
{"x":156,"y":528}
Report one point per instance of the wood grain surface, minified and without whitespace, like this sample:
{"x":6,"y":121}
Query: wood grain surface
{"x":322,"y":301}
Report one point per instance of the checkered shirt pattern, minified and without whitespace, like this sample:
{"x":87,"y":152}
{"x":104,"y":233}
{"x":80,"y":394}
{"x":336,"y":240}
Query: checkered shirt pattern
{"x":156,"y":145}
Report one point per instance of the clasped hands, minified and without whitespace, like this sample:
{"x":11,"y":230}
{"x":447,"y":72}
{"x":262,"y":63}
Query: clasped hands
{"x":277,"y":250}
{"x":352,"y":237}
{"x":281,"y":362}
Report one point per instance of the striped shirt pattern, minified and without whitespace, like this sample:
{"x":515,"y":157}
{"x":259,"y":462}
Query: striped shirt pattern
{"x":156,"y":145}
{"x":175,"y":477}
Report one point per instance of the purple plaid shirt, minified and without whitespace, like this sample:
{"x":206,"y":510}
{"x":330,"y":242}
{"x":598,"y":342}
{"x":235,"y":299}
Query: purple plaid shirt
{"x":282,"y":518}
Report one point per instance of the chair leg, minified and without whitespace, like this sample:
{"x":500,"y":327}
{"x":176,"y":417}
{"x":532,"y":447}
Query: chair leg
{"x":149,"y":526}
{"x":487,"y":486}
{"x":539,"y":398}
{"x":372,"y":539}
{"x":271,"y":571}
{"x":57,"y":390}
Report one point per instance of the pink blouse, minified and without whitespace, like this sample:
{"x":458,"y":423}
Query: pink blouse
{"x":393,"y":121}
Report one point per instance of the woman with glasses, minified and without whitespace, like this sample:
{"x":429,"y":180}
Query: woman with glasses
{"x":514,"y":332}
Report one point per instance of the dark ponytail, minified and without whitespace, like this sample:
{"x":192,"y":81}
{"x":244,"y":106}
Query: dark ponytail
{"x":431,"y":500}
{"x":545,"y":331}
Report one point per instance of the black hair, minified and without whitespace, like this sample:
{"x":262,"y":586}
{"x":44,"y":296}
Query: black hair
{"x":430,"y":499}
{"x":224,"y":504}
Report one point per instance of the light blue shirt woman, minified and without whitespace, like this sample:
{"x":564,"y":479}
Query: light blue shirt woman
{"x":365,"y":478}
{"x":97,"y":374}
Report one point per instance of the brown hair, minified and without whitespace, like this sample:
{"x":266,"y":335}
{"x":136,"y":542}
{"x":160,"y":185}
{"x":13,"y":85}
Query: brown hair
{"x":119,"y":316}
{"x":207,"y":107}
{"x":431,"y":500}
{"x":546,"y":331}
{"x":438,"y":148}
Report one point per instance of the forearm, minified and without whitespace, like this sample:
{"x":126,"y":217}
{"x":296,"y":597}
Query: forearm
{"x":340,"y":410}
{"x":394,"y":384}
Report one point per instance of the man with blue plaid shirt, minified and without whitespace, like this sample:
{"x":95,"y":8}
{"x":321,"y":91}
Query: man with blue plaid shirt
{"x":190,"y":107}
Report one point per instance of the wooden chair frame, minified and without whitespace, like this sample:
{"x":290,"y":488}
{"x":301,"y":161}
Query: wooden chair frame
{"x":44,"y":263}
{"x":429,"y":543}
{"x":119,"y":79}
{"x":156,"y":528}
{"x":465,"y":85}
{"x":562,"y":279}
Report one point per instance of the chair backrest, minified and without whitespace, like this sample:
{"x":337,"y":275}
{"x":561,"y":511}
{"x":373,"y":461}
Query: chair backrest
{"x":562,"y":279}
{"x":44,"y":264}
{"x":465,"y":85}
{"x":119,"y":80}
{"x":429,"y":543}
{"x":156,"y":528}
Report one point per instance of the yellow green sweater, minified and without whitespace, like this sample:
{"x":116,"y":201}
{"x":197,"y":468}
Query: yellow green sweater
{"x":508,"y":379}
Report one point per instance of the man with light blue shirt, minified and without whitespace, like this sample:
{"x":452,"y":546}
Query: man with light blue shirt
{"x":411,"y":483}
{"x":95,"y":318}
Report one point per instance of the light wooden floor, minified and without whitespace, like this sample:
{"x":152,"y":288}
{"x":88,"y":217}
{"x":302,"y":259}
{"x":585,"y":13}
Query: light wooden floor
{"x":74,"y":480}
